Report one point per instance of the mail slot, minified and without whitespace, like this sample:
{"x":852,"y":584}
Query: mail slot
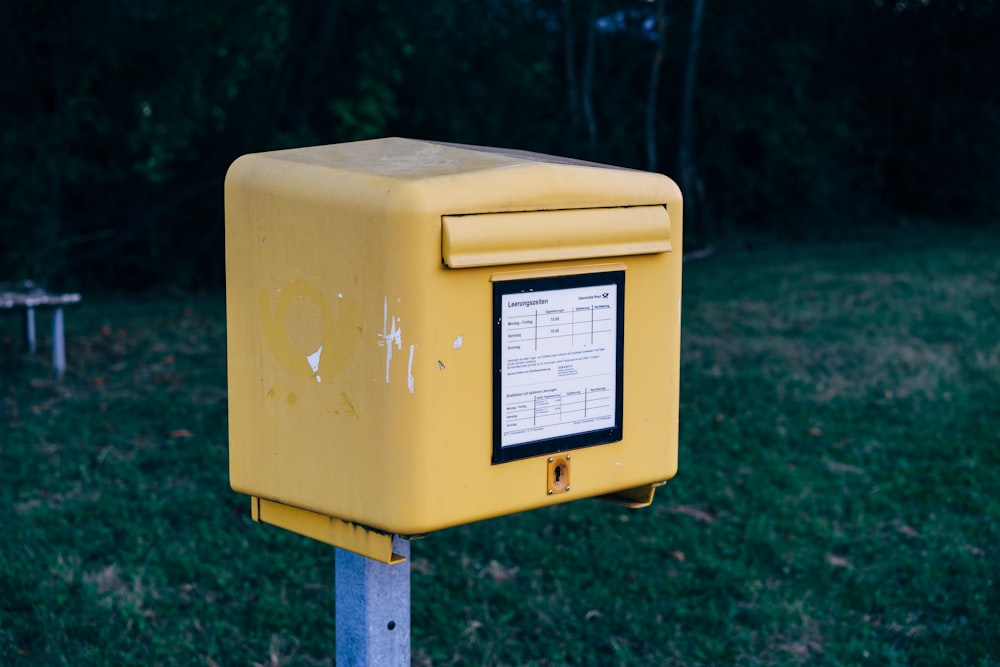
{"x":422,"y":335}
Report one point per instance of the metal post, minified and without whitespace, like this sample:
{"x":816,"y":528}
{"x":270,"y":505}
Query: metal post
{"x":58,"y":343}
{"x":29,"y":329}
{"x":373,"y":609}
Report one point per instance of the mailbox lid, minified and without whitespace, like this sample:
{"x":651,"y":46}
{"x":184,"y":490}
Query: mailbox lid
{"x":491,"y":239}
{"x":404,"y":180}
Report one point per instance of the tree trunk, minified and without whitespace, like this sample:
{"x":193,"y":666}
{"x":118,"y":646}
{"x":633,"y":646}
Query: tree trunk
{"x":686,"y":170}
{"x":586,"y":93}
{"x":654,"y":87}
{"x":573,"y":94}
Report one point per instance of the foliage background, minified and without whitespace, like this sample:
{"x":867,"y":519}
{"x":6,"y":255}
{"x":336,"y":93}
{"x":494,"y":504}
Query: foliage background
{"x":814,"y":119}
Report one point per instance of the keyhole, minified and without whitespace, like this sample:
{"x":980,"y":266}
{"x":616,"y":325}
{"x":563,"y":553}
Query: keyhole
{"x":557,"y":475}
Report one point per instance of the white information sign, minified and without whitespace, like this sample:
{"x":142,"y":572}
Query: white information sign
{"x":558,"y":362}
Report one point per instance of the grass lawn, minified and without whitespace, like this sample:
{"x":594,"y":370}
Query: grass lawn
{"x":838,"y":501}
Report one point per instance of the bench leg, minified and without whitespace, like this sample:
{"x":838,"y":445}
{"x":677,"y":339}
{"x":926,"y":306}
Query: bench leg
{"x":29,"y":329}
{"x":58,"y":343}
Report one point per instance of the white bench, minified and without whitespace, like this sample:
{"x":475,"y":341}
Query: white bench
{"x":28,"y":295}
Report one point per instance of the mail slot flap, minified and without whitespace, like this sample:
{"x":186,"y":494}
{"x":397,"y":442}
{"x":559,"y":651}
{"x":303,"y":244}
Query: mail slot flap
{"x":488,"y":239}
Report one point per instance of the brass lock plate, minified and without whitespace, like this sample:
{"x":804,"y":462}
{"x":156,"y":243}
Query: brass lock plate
{"x":558,"y":474}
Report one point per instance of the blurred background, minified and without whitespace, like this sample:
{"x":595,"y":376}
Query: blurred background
{"x":812,"y":120}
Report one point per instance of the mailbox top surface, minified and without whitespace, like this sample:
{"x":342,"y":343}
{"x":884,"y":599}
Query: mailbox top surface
{"x":410,"y":159}
{"x":412,"y":175}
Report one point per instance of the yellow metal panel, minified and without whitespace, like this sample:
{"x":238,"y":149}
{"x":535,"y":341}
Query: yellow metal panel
{"x":634,"y":498}
{"x":361,"y":367}
{"x":351,"y":536}
{"x":492,"y":239}
{"x":559,"y":270}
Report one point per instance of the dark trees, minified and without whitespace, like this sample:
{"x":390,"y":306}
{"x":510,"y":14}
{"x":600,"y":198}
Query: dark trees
{"x":118,"y":119}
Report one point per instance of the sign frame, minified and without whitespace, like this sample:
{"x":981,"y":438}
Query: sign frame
{"x":569,"y":284}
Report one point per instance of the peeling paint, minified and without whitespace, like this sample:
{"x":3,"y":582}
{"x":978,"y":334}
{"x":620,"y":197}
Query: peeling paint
{"x":440,"y":364}
{"x":457,"y":343}
{"x":313,"y":360}
{"x":390,"y":334}
{"x":409,"y":370}
{"x":298,"y":318}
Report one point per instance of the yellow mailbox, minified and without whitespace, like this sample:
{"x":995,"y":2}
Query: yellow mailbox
{"x":423,"y":335}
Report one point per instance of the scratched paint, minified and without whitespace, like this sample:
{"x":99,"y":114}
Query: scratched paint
{"x":337,"y":404}
{"x":313,"y":360}
{"x":457,"y":343}
{"x":391,"y":334}
{"x":409,"y":369}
